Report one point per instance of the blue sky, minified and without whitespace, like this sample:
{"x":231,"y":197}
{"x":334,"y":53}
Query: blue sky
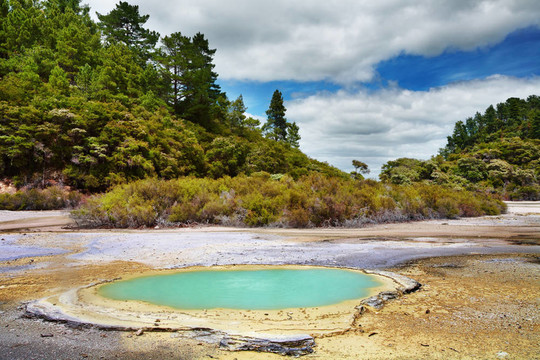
{"x":365,"y":80}
{"x":518,"y":55}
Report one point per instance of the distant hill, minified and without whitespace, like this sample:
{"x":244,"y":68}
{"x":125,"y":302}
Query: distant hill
{"x":496,"y":152}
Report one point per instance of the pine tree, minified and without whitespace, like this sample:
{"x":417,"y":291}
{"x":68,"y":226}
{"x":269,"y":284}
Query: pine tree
{"x":293,"y":135}
{"x":124,"y":25}
{"x":193,"y":87}
{"x":276,"y":125}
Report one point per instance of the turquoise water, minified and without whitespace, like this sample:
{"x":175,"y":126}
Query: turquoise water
{"x":245,"y":289}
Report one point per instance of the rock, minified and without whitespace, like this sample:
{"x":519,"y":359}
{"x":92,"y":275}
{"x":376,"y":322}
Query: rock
{"x":502,"y":354}
{"x":46,"y":335}
{"x":428,"y":311}
{"x":295,"y":346}
{"x":139,"y":332}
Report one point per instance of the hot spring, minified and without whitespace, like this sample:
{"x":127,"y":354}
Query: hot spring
{"x":258,"y":289}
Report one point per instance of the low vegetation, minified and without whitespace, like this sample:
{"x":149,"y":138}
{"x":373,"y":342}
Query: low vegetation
{"x":276,"y":200}
{"x":50,"y":198}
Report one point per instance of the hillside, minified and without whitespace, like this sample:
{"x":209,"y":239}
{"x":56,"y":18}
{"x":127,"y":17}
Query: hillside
{"x":91,"y":105}
{"x":495,"y":152}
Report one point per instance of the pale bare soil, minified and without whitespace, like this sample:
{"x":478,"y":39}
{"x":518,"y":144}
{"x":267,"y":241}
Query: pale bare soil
{"x":480,"y":300}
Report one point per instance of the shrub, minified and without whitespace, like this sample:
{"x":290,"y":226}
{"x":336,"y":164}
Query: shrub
{"x":260,"y":200}
{"x":51,"y":198}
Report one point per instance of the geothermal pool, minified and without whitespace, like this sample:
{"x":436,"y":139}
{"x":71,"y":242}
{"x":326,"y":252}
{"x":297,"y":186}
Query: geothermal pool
{"x":267,"y":289}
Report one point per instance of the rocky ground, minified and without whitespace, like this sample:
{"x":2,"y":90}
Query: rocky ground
{"x":480,"y":295}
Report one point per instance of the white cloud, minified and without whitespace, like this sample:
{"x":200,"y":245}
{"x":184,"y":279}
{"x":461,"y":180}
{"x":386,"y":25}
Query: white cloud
{"x":338,"y":41}
{"x":376,"y":127}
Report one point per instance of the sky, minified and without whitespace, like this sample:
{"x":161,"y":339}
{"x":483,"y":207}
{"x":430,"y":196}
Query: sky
{"x":363,"y":79}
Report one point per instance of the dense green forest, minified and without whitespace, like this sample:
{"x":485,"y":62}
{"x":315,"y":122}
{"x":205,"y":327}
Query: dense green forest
{"x":496,"y":152}
{"x":91,"y":105}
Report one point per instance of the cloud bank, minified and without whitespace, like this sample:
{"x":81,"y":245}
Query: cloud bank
{"x":337,"y":41}
{"x":375,"y":127}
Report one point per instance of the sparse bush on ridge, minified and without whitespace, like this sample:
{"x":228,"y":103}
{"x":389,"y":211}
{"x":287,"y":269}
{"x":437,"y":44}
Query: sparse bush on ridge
{"x":311,"y":201}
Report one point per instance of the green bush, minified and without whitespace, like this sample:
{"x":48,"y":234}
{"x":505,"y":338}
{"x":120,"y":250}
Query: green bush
{"x":263,"y":200}
{"x":51,"y":198}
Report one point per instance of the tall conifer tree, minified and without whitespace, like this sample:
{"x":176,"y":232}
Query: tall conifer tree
{"x":276,"y":125}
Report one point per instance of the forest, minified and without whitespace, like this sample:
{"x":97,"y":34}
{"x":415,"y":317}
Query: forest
{"x":497,"y":152}
{"x":134,"y":126}
{"x":92,"y":105}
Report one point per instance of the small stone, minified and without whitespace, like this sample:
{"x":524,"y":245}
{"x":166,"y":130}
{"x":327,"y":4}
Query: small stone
{"x":502,"y":354}
{"x":157,"y":320}
{"x":46,"y":335}
{"x":139,"y":332}
{"x":428,"y":311}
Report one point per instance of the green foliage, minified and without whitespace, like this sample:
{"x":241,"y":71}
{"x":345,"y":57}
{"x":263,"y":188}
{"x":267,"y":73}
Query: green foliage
{"x":107,"y":112}
{"x":276,"y":127}
{"x":102,"y":106}
{"x":124,"y":25}
{"x":58,"y":81}
{"x":359,"y":169}
{"x":293,"y":135}
{"x":496,"y":152}
{"x":264,"y":200}
{"x":193,"y":87}
{"x":513,"y":118}
{"x":51,"y":198}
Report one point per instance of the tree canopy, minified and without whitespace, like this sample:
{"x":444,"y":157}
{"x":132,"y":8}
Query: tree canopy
{"x":124,"y":25}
